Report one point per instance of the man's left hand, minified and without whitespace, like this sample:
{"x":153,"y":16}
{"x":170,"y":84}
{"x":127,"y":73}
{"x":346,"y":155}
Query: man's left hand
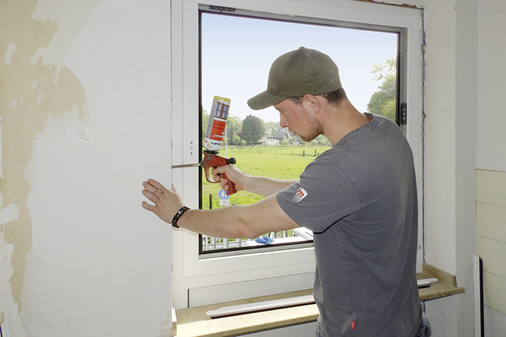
{"x":164,"y":202}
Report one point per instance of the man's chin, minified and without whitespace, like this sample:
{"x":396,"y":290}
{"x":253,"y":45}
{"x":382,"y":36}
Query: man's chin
{"x":306,"y":139}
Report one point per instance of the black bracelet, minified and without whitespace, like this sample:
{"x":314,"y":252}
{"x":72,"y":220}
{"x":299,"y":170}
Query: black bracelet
{"x":179,"y":214}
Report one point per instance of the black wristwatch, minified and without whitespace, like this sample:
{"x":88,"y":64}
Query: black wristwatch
{"x":178,"y":215}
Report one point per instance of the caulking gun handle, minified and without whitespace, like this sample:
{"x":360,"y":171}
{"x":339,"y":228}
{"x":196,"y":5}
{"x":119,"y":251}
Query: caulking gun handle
{"x":231,"y":187}
{"x":208,"y":176}
{"x":207,"y":163}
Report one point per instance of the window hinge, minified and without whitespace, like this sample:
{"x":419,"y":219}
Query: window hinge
{"x":403,"y":118}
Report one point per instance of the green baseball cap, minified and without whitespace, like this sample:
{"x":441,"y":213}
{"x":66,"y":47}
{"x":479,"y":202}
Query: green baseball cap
{"x":296,"y":73}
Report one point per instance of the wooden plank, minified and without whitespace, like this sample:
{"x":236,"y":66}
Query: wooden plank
{"x":491,"y":187}
{"x":491,"y":235}
{"x":445,"y":286}
{"x":491,"y":221}
{"x":492,"y":252}
{"x":493,"y":292}
{"x":195,"y":321}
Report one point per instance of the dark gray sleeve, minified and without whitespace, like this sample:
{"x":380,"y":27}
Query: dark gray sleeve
{"x":324,"y":194}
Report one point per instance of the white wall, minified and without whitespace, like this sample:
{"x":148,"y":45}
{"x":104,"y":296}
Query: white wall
{"x":491,"y":85}
{"x":440,"y":156}
{"x":86,"y":118}
{"x":464,"y":70}
{"x":491,"y":136}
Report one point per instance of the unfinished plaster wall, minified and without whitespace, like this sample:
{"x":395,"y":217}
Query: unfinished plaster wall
{"x":85,"y":113}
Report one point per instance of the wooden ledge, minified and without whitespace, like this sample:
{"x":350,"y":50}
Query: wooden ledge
{"x":195,"y":322}
{"x":446,"y":285}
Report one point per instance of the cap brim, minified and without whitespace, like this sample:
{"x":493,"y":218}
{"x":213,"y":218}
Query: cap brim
{"x":264,"y":100}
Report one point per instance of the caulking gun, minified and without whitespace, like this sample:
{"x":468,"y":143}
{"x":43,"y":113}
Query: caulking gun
{"x":213,"y":140}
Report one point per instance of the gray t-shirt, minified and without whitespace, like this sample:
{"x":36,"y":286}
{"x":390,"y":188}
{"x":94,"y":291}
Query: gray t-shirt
{"x":360,"y":200}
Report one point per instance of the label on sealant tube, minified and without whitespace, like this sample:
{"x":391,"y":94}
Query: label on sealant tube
{"x":217,"y":124}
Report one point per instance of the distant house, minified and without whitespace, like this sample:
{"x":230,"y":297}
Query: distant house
{"x":281,"y":135}
{"x":273,"y":136}
{"x":270,"y":131}
{"x":271,"y":142}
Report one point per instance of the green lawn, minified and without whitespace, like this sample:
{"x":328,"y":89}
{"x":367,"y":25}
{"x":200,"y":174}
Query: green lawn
{"x":280,"y":162}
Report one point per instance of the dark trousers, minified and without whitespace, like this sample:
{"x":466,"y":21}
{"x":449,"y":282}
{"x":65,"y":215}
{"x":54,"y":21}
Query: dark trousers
{"x":425,"y":330}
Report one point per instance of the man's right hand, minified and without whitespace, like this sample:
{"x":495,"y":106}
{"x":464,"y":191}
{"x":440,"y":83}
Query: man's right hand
{"x":233,"y":174}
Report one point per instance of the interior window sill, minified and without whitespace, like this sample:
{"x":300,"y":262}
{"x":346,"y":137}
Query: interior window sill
{"x":196,"y":322}
{"x":445,"y":286}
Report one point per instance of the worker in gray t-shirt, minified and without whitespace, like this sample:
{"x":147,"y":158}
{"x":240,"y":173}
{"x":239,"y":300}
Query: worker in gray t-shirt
{"x":358,"y":198}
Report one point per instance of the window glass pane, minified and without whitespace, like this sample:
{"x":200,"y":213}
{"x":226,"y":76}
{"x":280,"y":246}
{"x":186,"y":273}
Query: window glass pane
{"x":236,"y":54}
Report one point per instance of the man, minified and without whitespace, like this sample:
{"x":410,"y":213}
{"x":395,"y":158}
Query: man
{"x":359,"y":199}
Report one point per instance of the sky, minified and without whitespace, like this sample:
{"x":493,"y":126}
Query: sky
{"x":237,"y":53}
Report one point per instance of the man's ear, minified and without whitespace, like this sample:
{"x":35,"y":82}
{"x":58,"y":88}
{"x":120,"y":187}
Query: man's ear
{"x":311,"y":103}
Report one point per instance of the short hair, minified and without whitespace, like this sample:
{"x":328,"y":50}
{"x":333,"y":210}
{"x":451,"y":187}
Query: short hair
{"x":334,"y":97}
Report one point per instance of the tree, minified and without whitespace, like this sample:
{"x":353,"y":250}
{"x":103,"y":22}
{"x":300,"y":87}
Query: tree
{"x":234,"y":125}
{"x":274,"y":125}
{"x":321,"y":140}
{"x":203,"y":125}
{"x":235,"y":140}
{"x":383,"y":102}
{"x":252,"y":129}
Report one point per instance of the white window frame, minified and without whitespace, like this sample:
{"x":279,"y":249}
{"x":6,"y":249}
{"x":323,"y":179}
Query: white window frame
{"x":199,"y":281}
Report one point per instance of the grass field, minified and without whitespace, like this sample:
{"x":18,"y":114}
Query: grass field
{"x":279,"y":162}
